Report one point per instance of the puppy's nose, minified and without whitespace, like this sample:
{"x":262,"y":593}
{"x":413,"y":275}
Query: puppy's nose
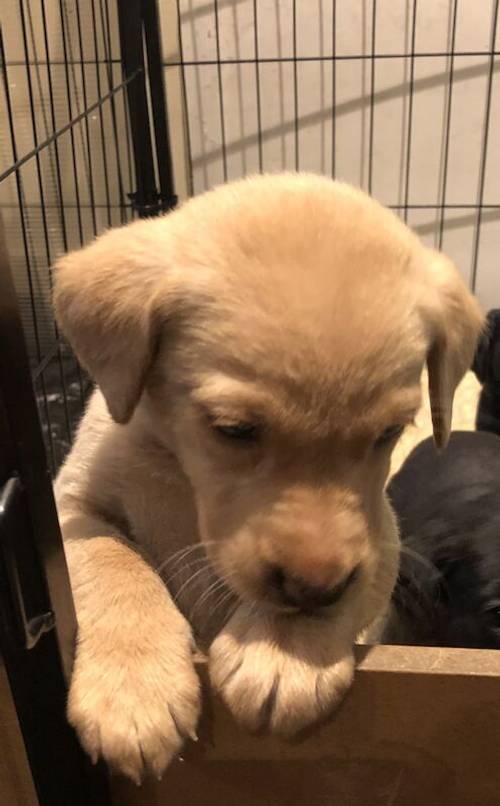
{"x":297,"y":592}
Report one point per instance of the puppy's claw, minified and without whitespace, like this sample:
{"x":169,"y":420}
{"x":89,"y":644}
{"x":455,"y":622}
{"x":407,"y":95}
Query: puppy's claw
{"x":184,"y":731}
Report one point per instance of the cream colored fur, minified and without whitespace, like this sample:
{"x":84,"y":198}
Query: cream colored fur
{"x":290,"y":302}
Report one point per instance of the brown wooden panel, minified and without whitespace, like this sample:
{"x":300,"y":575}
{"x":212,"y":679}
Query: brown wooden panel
{"x":419,"y":727}
{"x":16,"y":785}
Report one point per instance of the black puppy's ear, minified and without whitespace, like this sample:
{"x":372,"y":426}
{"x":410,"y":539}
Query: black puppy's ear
{"x":455,"y":320}
{"x":486,"y":363}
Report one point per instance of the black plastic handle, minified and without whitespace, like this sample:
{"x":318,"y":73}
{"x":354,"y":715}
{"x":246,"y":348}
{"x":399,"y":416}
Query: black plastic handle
{"x":13,"y":516}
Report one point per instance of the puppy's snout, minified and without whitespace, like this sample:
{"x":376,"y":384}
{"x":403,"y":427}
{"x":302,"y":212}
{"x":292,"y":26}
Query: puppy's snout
{"x":300,"y":593}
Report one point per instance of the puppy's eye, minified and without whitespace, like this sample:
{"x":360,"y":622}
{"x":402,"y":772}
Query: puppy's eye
{"x":237,"y":432}
{"x":390,"y":433}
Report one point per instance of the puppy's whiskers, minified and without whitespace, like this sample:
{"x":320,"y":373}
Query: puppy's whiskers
{"x":403,"y":549}
{"x":182,"y":553}
{"x":212,"y":590}
{"x":200,"y":561}
{"x":190,"y":581}
{"x":225,"y":599}
{"x":419,"y":558}
{"x":177,"y":557}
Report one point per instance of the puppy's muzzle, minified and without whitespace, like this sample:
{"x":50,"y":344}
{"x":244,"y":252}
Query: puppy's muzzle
{"x":298,"y":593}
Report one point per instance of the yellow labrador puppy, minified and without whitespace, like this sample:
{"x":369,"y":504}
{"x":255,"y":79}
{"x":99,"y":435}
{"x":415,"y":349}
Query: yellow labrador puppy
{"x":257,"y":353}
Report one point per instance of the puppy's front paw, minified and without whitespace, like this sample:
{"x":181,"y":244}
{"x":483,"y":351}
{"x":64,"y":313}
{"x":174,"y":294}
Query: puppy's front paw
{"x":282,"y":675}
{"x":134,"y":703}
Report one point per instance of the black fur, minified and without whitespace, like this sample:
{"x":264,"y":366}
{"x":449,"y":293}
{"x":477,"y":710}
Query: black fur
{"x":487,"y":369}
{"x":448,"y":506}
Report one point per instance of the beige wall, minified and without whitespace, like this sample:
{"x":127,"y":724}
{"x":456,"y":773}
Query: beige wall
{"x":309,"y":89}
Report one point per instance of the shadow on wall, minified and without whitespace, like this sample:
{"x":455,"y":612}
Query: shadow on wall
{"x":362,"y":103}
{"x":342,"y":108}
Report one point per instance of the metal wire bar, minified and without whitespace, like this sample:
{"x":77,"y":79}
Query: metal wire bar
{"x":410,"y":111}
{"x":146,"y":197}
{"x":349,"y":57}
{"x":66,"y":51}
{"x":70,"y":70}
{"x":128,"y":149}
{"x":101,"y":118}
{"x":106,"y":41}
{"x":221,"y":93}
{"x":185,"y":110}
{"x":484,"y":147}
{"x":334,"y":85}
{"x":90,"y":170}
{"x":44,"y":363}
{"x":257,"y":86}
{"x":295,"y":84}
{"x":19,"y":162}
{"x":431,"y":54}
{"x":448,"y":123}
{"x":430,"y":205}
{"x":164,"y":166}
{"x":70,"y":116}
{"x":372,"y":96}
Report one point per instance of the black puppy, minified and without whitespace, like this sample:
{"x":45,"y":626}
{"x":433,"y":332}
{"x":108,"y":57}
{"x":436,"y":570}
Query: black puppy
{"x":487,"y":369}
{"x":448,"y":506}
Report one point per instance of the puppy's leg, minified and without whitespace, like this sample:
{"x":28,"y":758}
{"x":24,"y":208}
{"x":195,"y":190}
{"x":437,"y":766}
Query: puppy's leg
{"x":281,"y":673}
{"x":134,"y":693}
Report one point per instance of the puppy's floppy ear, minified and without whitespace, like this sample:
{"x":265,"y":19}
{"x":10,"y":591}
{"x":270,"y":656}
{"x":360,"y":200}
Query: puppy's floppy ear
{"x":456,"y":320}
{"x":105,"y":299}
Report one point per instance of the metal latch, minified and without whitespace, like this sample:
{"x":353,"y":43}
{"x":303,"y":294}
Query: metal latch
{"x":13,"y":521}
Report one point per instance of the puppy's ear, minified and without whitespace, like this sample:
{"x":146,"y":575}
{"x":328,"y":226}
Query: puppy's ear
{"x":105,"y":299}
{"x":456,"y":320}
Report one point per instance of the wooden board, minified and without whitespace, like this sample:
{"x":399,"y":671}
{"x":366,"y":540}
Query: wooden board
{"x":16,"y":785}
{"x":420,"y":727}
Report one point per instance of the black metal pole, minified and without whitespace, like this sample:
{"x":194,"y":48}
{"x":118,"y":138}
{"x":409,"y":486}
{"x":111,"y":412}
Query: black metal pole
{"x":37,"y":618}
{"x":146,"y":199}
{"x":158,"y":101}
